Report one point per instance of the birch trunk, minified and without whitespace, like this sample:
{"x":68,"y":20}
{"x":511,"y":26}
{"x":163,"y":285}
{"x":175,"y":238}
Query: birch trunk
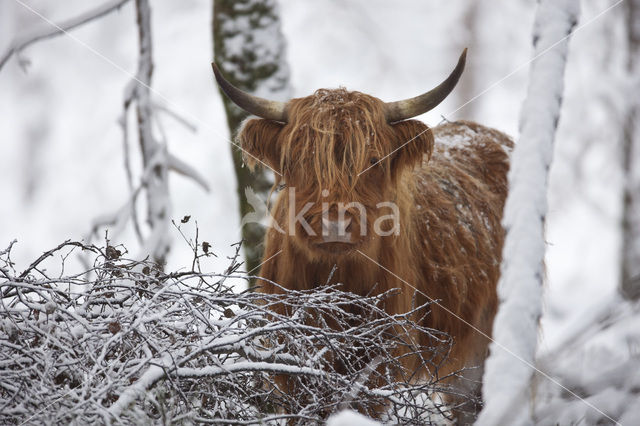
{"x":510,"y":367}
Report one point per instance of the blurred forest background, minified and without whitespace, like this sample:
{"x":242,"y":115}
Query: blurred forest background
{"x":68,"y":164}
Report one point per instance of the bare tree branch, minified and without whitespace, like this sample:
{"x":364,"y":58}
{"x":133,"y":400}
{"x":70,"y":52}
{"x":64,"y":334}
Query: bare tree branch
{"x":179,"y":166}
{"x":23,"y":41}
{"x":136,"y":344}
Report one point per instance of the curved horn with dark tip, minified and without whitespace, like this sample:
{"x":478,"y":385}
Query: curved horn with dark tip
{"x":403,"y":110}
{"x":271,"y":110}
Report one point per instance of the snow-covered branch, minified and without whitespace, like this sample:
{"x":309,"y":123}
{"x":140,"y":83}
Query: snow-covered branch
{"x":134,"y":343}
{"x":180,"y":167}
{"x":509,"y":369}
{"x":23,"y":41}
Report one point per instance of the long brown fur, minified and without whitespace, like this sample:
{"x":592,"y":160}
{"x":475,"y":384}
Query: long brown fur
{"x":450,"y":195}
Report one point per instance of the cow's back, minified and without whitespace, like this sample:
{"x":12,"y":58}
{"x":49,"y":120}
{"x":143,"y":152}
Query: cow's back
{"x":459,"y":195}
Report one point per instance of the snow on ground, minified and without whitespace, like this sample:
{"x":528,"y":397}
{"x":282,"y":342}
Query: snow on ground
{"x":350,"y":418}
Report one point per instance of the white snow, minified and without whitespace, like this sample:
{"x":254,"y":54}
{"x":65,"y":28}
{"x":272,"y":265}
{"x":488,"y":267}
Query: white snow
{"x":350,"y":418}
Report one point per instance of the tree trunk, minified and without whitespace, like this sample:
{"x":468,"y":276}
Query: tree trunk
{"x":630,"y":273}
{"x":510,"y":367}
{"x":249,"y":48}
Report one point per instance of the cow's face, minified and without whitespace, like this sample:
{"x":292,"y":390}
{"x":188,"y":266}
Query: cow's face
{"x":341,"y":157}
{"x":341,"y":166}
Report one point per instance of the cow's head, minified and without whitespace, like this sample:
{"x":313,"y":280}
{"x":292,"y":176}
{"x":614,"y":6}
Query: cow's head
{"x":341,"y":156}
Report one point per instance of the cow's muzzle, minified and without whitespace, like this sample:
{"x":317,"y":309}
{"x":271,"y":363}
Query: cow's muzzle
{"x":336,"y":231}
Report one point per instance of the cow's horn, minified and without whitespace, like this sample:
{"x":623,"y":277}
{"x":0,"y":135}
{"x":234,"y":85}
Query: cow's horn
{"x":402,"y":110}
{"x":271,"y":110}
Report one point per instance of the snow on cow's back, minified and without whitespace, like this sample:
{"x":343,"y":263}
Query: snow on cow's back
{"x":463,"y":135}
{"x":465,"y":148}
{"x":461,"y":190}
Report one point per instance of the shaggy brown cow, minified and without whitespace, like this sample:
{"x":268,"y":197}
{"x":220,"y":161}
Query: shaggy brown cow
{"x":388,"y":200}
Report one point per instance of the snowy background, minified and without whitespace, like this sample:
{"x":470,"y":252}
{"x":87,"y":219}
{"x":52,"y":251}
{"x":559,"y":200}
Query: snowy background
{"x":61,"y":155}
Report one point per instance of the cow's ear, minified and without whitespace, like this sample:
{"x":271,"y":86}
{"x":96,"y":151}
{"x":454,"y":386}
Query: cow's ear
{"x":259,"y":141}
{"x":414,"y":139}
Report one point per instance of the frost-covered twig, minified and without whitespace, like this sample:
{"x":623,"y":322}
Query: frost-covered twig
{"x":509,"y":369}
{"x":135,"y":343}
{"x":22,"y":41}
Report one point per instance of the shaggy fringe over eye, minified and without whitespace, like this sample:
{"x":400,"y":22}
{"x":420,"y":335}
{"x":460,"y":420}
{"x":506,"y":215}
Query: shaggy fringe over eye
{"x":334,"y":134}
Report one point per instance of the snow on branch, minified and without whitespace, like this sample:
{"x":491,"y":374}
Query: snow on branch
{"x":180,"y":167}
{"x":23,"y":41}
{"x":126,"y":342}
{"x":157,"y":160}
{"x":509,"y":369}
